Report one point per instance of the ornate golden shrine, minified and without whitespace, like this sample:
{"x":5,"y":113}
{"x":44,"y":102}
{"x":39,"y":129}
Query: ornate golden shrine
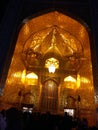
{"x":58,"y":42}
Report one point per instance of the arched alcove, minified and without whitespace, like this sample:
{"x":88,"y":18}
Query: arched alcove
{"x":47,"y":36}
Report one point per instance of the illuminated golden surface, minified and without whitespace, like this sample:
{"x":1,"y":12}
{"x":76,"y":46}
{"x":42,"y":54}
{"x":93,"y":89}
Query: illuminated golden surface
{"x":65,"y":39}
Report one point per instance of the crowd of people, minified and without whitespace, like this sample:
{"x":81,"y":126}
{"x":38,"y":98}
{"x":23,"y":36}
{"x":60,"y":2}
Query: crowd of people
{"x":14,"y":119}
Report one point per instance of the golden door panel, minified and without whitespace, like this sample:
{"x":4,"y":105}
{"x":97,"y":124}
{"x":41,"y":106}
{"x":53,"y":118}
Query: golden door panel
{"x":49,"y":97}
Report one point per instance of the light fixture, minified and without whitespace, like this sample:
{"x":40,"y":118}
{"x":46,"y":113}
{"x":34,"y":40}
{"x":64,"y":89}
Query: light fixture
{"x":52,"y":64}
{"x":51,"y":68}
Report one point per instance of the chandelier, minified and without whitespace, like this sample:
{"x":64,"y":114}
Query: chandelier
{"x":52,"y":64}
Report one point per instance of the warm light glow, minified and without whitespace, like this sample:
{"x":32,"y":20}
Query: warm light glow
{"x":69,"y":78}
{"x":52,"y":40}
{"x":85,"y":80}
{"x":23,"y":76}
{"x":32,"y":75}
{"x":78,"y":81}
{"x":70,"y":82}
{"x":17,"y":74}
{"x":51,"y":68}
{"x":52,"y":64}
{"x":51,"y":83}
{"x":31,"y":79}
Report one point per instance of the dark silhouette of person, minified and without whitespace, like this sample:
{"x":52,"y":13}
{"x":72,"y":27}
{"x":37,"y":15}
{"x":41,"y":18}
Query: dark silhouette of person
{"x":14,"y":119}
{"x":66,"y":122}
{"x":3,"y":123}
